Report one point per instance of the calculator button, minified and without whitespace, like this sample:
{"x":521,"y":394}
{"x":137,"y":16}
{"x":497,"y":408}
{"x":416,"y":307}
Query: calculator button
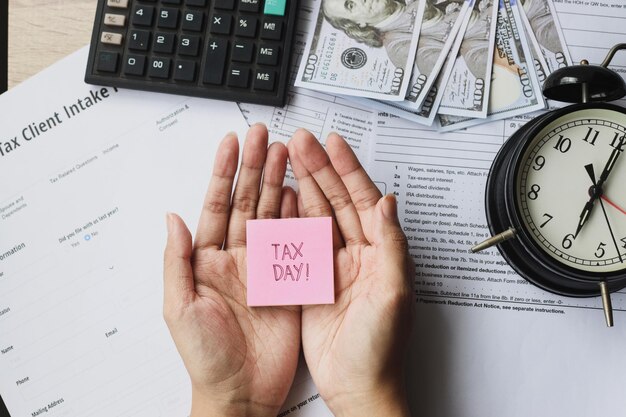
{"x":264,"y":80}
{"x":107,"y":61}
{"x":224,"y":4}
{"x":168,"y":18}
{"x":246,"y":27}
{"x":159,"y":68}
{"x":189,"y":45}
{"x":171,"y":1}
{"x":196,"y":3}
{"x":275,"y":7}
{"x":249,"y":6}
{"x":111,"y":19}
{"x":142,"y":16}
{"x":118,"y":4}
{"x":268,"y":55}
{"x":192,"y":20}
{"x":238,"y":76}
{"x":221,"y":24}
{"x":164,"y":42}
{"x":185,"y":71}
{"x":272,"y":29}
{"x":111,"y":38}
{"x":139,"y":40}
{"x":242,"y":51}
{"x":135,"y":65}
{"x":215,"y":60}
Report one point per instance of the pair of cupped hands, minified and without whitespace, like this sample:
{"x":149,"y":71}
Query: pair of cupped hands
{"x":242,"y":360}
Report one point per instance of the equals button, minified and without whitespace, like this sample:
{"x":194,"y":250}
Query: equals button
{"x":238,"y":76}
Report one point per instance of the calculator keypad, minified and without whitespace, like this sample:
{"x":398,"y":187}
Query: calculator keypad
{"x":226,"y":49}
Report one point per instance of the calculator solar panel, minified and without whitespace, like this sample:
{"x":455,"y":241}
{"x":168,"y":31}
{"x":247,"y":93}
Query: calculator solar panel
{"x":235,"y":50}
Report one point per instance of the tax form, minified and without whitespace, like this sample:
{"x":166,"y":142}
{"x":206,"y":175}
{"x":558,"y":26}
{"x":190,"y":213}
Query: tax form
{"x":488,"y":343}
{"x":88,"y":174}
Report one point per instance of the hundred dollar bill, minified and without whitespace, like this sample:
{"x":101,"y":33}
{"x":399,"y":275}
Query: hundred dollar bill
{"x":540,"y":17}
{"x":362,"y":48}
{"x":515,"y":88}
{"x":440,"y":25}
{"x":466,"y":91}
{"x":541,"y":66}
{"x":425,"y":115}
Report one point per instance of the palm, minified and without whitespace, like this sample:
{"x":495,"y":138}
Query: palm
{"x":358,"y":342}
{"x":242,"y":345}
{"x":334,"y":337}
{"x":241,"y":360}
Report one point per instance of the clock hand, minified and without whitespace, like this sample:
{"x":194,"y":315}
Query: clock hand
{"x":611,"y":231}
{"x":584,"y":215}
{"x":605,"y":198}
{"x":592,"y":175}
{"x":596,"y":192}
{"x":610,"y":164}
{"x":597,"y":186}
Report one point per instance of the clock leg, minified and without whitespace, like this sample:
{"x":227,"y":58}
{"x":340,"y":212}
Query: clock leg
{"x":606,"y":304}
{"x":494,"y":240}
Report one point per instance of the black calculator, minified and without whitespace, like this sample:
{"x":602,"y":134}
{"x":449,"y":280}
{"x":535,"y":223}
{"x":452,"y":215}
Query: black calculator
{"x":236,"y":50}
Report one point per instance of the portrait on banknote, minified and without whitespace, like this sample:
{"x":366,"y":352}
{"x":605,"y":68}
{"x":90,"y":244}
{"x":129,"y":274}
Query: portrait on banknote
{"x":362,"y":47}
{"x":466,"y":90}
{"x":437,"y":23}
{"x":542,"y":23}
{"x":476,"y":42}
{"x":376,"y":23}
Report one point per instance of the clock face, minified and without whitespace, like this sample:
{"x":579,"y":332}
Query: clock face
{"x":555,"y":190}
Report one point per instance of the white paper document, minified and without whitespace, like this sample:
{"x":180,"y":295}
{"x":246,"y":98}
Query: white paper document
{"x":88,"y":174}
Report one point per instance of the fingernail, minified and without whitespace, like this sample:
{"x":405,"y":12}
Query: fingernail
{"x":390,"y":207}
{"x":231,"y":133}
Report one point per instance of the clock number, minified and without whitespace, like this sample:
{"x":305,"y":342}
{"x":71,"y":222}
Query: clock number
{"x":546,"y":222}
{"x":567,"y":241}
{"x":624,"y":242}
{"x":600,"y":251}
{"x":539,"y":162}
{"x":563,"y":144}
{"x":534,"y":192}
{"x":618,"y":141}
{"x":593,"y":139}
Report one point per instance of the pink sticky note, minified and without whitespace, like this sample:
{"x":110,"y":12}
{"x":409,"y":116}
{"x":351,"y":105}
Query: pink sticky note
{"x":290,"y":261}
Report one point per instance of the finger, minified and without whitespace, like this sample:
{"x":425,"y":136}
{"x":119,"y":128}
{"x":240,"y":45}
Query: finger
{"x":301,"y":212}
{"x":213,"y":221}
{"x":388,"y":232}
{"x":272,"y":189}
{"x":311,"y":200}
{"x":398,"y":267}
{"x":317,"y":164}
{"x":178,"y":282}
{"x":363,"y":192}
{"x":288,"y":203}
{"x":246,"y":195}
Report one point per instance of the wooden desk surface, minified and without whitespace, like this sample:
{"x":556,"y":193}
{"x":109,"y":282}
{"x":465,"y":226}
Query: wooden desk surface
{"x":42,"y":32}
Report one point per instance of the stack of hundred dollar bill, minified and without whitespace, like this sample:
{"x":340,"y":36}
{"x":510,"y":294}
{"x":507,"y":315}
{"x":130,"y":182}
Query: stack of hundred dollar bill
{"x":451,"y":63}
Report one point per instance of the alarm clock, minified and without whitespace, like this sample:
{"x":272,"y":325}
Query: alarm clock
{"x":555,"y":198}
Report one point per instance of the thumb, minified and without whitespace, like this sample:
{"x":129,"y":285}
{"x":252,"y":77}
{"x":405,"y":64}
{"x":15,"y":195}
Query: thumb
{"x":178,"y":279}
{"x":388,"y":233}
